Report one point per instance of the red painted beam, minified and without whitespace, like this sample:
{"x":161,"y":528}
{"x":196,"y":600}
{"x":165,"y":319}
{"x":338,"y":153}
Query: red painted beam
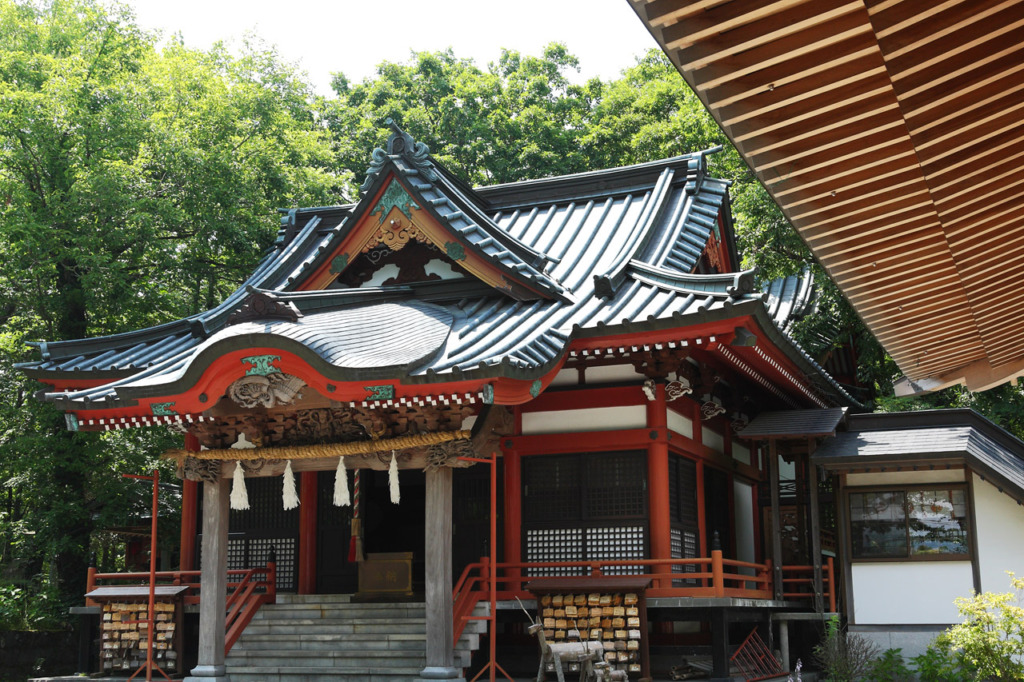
{"x":189,"y":514}
{"x":658,"y":481}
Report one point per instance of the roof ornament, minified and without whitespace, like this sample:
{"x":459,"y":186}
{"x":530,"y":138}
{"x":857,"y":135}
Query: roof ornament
{"x":400,"y":146}
{"x":262,"y":306}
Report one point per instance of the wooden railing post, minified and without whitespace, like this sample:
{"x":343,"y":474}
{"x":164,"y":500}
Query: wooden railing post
{"x":765,"y":582}
{"x":272,"y":582}
{"x":90,"y":585}
{"x":831,"y":585}
{"x":717,"y":573}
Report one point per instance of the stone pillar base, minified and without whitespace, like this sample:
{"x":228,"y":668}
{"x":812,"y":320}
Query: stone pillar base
{"x":439,"y":673}
{"x":208,"y":673}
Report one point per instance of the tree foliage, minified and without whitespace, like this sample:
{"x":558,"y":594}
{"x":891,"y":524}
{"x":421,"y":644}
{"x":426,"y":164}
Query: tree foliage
{"x":138,"y":185}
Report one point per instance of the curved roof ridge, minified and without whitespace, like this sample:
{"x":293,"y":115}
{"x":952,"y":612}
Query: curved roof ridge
{"x":731,"y":284}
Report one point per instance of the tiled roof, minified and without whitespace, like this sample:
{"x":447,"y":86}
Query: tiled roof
{"x":794,"y":424}
{"x":609,"y":251}
{"x":925,"y":438}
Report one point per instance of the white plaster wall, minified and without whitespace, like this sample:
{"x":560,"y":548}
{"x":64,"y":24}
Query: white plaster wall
{"x":566,"y":377}
{"x":680,"y":423}
{"x":712,"y":440}
{"x":740,"y":451}
{"x":1000,"y":549}
{"x":906,"y":477}
{"x":607,"y":374}
{"x":591,"y":419}
{"x":743,"y":502}
{"x":909,"y":593}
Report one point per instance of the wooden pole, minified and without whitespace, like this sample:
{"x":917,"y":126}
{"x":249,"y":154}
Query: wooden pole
{"x":213,"y":588}
{"x":815,"y":523}
{"x":657,"y":482}
{"x":438,"y":568}
{"x":307,"y":532}
{"x":513,"y":513}
{"x":773,"y":470}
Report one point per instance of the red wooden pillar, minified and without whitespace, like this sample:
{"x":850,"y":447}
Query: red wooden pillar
{"x":307,"y":533}
{"x":513,"y":510}
{"x":657,"y":482}
{"x":189,"y":521}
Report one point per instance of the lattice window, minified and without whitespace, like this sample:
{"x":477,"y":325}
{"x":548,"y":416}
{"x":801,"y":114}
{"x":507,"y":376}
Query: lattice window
{"x":617,"y":543}
{"x":554,"y":544}
{"x":554,"y":488}
{"x":615,"y":486}
{"x":684,"y":545}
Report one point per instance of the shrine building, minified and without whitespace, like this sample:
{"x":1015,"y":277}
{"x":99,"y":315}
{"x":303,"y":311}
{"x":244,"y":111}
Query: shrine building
{"x":583,"y":353}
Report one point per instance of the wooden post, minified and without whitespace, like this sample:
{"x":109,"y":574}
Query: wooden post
{"x":213,"y":584}
{"x":189,"y":522}
{"x":657,"y":483}
{"x":307,"y":532}
{"x":773,"y":471}
{"x":513,"y":512}
{"x":438,"y":576}
{"x":815,"y":523}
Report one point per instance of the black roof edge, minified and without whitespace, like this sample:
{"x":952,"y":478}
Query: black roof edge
{"x":956,"y":416}
{"x":607,"y":181}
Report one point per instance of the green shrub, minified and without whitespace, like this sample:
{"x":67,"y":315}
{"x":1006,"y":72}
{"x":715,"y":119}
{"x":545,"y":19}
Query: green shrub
{"x":843,"y":657}
{"x":991,"y":636}
{"x":889,"y":667}
{"x":942,"y":662}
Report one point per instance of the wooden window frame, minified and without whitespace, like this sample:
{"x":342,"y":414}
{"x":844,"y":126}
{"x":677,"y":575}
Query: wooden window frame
{"x":968,"y":555}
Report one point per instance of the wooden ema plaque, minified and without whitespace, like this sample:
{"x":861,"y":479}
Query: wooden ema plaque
{"x":123,"y":637}
{"x":608,"y":610}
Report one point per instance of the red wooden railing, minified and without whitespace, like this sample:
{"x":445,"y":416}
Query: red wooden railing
{"x":246,"y":593}
{"x":798,"y":582}
{"x":713,"y":576}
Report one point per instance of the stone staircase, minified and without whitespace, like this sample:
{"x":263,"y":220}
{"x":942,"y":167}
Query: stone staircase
{"x":321,"y":638}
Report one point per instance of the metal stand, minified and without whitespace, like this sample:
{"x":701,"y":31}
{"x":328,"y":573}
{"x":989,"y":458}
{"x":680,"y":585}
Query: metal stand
{"x":150,"y":617}
{"x":492,"y":617}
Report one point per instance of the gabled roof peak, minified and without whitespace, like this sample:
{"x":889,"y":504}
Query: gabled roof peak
{"x":400,"y":145}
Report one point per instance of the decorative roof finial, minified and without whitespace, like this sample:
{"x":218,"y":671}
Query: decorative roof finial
{"x":400,"y":146}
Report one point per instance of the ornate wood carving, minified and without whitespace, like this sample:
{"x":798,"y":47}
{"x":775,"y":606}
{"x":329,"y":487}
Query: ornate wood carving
{"x":330,"y":425}
{"x":268,"y":391}
{"x":395,"y":234}
{"x":260,"y":306}
{"x":207,"y":470}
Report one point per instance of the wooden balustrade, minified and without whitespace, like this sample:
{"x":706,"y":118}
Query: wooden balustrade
{"x":713,"y":576}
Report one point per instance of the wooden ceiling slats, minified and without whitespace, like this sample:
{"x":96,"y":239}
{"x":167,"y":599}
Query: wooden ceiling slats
{"x":890,"y":133}
{"x":858,"y":100}
{"x":792,"y":47}
{"x":808,"y":73}
{"x":774,"y":27}
{"x":1002,"y":115}
{"x":667,"y":12}
{"x":874,"y":128}
{"x":841,"y":76}
{"x":950,"y":57}
{"x":894,"y":184}
{"x":933,"y":101}
{"x":715,"y":20}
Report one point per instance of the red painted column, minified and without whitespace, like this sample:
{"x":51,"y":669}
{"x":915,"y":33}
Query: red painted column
{"x":657,"y":482}
{"x":307,"y":533}
{"x":513,"y":509}
{"x":189,"y":521}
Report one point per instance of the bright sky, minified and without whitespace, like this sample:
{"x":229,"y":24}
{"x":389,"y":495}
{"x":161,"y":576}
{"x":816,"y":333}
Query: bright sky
{"x":353,"y":37}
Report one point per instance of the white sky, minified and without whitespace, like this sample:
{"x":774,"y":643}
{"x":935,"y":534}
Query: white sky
{"x":353,"y":37}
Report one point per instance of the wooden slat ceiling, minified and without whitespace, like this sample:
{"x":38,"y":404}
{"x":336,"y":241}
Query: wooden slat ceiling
{"x":891,"y":133}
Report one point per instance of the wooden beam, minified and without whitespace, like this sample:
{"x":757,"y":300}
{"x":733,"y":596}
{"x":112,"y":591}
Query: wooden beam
{"x":773,"y":473}
{"x":213,"y":584}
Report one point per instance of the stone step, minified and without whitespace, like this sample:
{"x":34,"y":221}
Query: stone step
{"x":348,"y":642}
{"x":311,"y":674}
{"x":363,"y":660}
{"x":335,"y":627}
{"x":337,"y":611}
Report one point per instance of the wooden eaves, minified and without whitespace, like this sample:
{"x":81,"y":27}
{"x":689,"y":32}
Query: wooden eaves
{"x":890,"y":133}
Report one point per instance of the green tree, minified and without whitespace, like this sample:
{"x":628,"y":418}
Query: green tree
{"x":137,"y":185}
